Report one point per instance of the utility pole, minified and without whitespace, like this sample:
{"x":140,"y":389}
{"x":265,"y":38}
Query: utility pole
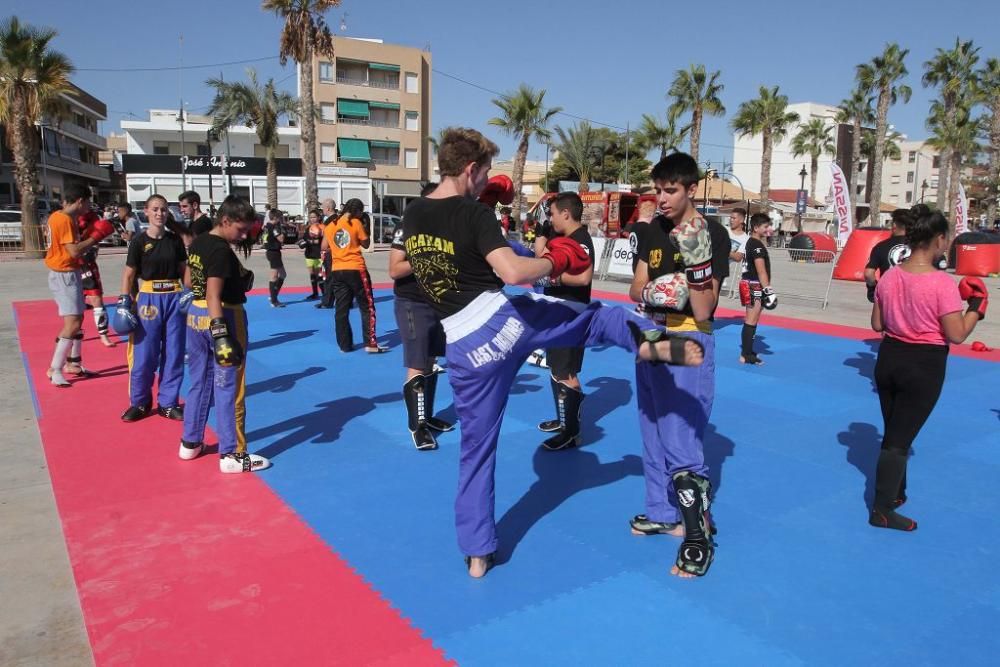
{"x":180,"y":117}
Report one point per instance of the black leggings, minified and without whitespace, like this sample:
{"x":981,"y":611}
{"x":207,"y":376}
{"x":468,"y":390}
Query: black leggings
{"x":348,"y":287}
{"x":909,"y":378}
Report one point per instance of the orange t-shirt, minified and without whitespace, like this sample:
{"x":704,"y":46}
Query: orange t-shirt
{"x":344,"y":238}
{"x":62,"y":230}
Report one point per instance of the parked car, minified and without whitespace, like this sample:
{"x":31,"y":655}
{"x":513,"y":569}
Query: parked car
{"x":10,"y":227}
{"x":384,"y":227}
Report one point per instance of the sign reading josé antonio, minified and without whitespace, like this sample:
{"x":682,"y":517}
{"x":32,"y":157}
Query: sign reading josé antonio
{"x":204,"y":164}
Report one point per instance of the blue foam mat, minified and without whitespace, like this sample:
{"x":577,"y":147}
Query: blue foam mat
{"x":799,"y":576}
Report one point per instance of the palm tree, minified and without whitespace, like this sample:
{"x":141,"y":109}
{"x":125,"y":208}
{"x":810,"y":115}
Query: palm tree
{"x":696,"y":91}
{"x":667,"y":137}
{"x":768,"y":116}
{"x":524,"y":116}
{"x":882,"y":76}
{"x":989,"y":91}
{"x":33,"y":79}
{"x":813,"y":139}
{"x":955,"y":133}
{"x":950,"y":70}
{"x":581,"y":148}
{"x":891,"y":143}
{"x":857,"y":110}
{"x":304,"y":36}
{"x":238,"y":103}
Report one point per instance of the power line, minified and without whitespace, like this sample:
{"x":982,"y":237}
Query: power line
{"x":173,"y":68}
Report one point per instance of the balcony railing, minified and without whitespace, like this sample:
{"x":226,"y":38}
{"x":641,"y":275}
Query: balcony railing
{"x":354,"y":81}
{"x":386,"y":163}
{"x":366,"y":121}
{"x":81,"y":133}
{"x":93,"y":171}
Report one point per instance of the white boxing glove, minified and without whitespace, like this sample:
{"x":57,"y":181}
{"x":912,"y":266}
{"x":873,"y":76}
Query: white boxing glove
{"x":668,"y":291}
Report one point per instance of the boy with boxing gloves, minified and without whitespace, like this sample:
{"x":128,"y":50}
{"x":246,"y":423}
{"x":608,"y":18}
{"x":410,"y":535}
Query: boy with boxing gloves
{"x":461,"y":262}
{"x":217,"y":340}
{"x":755,"y":286}
{"x":64,"y":258}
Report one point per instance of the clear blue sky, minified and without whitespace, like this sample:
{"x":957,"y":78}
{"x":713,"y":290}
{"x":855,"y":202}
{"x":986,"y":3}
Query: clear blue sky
{"x":610,"y":62}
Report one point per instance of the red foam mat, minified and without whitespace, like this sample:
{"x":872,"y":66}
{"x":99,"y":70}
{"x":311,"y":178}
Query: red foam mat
{"x":176,"y":563}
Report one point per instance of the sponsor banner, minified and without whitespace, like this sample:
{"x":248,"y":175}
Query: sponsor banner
{"x":621,"y":258}
{"x":841,"y":189}
{"x":961,"y":211}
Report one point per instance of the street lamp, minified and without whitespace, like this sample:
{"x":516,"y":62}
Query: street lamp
{"x":800,"y":207}
{"x":923,"y":190}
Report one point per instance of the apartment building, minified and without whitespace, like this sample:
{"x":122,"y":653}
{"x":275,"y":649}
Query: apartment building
{"x":913,"y":177}
{"x":374,"y":101}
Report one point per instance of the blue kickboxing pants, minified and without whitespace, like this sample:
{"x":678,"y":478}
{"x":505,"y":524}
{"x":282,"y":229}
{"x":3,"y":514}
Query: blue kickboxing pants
{"x":225,"y":384}
{"x":488,"y":341}
{"x":156,"y":346}
{"x":675,"y":403}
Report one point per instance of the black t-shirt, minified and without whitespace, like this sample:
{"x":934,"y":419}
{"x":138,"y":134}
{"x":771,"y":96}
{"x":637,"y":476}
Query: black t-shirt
{"x":580,"y":293}
{"x":313,"y":241}
{"x":753,"y":251}
{"x":446,"y":241}
{"x":662,"y":257}
{"x":201,"y":225}
{"x":269,"y":236}
{"x":635,"y":235}
{"x":156,"y":259}
{"x":406,"y":286}
{"x":887,"y":253}
{"x":210,"y":256}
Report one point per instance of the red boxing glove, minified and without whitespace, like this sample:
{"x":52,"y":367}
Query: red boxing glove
{"x":567,"y":256}
{"x":86,"y":220}
{"x":100,"y":229}
{"x":973,"y":291}
{"x":499,"y":190}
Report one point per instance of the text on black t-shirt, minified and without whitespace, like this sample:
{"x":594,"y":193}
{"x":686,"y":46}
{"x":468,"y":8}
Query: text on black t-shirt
{"x":156,"y":259}
{"x":210,"y":256}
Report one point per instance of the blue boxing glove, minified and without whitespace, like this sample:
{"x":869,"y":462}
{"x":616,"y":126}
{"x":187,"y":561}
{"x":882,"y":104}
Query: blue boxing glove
{"x":187,"y":296}
{"x":521,"y":250}
{"x":124,"y":321}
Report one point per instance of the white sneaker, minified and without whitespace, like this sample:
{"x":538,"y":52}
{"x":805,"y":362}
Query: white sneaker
{"x":191,"y":450}
{"x":242,"y":462}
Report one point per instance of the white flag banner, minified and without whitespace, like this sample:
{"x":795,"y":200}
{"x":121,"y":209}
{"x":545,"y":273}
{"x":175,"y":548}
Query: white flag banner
{"x":961,"y":211}
{"x":841,"y":189}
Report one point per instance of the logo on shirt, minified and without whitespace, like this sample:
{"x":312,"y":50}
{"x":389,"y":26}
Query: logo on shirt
{"x":146,"y":248}
{"x":898,"y":253}
{"x":341,"y":238}
{"x":655,"y":258}
{"x":397,"y":238}
{"x":432,"y":260}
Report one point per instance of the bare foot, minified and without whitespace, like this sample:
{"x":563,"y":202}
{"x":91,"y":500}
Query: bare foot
{"x":479,"y":566}
{"x":107,"y":341}
{"x":693,"y":353}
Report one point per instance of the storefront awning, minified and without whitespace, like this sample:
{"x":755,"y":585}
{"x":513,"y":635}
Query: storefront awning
{"x":353,"y":150}
{"x":384,"y":144}
{"x":384,"y":67}
{"x":352,"y":108}
{"x":383,"y":105}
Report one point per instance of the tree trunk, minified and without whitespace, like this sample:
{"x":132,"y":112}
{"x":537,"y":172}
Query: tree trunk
{"x":855,"y":164}
{"x":813,"y":173}
{"x":765,"y":170}
{"x":954,"y":173}
{"x":307,"y":124}
{"x":24,"y":147}
{"x":518,"y":177}
{"x":695,"y":132}
{"x":993,"y":184}
{"x":944,"y":162}
{"x":881,"y":124}
{"x":272,"y":179}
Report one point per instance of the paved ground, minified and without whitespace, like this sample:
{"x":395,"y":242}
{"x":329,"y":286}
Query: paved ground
{"x":40,"y":620}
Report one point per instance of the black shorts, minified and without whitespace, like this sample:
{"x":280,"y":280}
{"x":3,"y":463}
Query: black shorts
{"x":421,"y":331}
{"x":564,"y":361}
{"x":274,"y":259}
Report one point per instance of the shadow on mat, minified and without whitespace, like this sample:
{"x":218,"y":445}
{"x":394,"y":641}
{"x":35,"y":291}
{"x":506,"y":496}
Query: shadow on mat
{"x":384,"y":298}
{"x":320,"y":426}
{"x":717,"y":449}
{"x":281,"y":383}
{"x":864,"y":362}
{"x":522,"y":384}
{"x":280,"y":339}
{"x":863,"y":442}
{"x":608,"y":395}
{"x":560,"y":476}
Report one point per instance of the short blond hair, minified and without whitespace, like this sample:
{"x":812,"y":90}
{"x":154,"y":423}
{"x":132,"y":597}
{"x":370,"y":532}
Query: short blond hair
{"x":462,"y":145}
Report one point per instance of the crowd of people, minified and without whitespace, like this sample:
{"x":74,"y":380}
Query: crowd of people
{"x":183,"y":293}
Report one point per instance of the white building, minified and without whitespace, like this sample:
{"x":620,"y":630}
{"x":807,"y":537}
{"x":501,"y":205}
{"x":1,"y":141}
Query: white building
{"x":748,"y":154}
{"x":160,"y":159}
{"x":903,"y":180}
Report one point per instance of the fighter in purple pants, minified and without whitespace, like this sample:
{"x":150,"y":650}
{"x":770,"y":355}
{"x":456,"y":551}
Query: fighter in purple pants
{"x":461,"y":261}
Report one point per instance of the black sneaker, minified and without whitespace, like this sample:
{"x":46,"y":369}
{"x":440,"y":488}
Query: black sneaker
{"x":175,"y":412}
{"x":423,"y":439}
{"x":641,"y":525}
{"x":135,"y":413}
{"x":561,"y":440}
{"x":549,"y":426}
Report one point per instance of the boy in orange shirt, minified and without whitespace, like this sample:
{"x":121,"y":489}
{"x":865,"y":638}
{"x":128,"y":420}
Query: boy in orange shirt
{"x":63,"y":258}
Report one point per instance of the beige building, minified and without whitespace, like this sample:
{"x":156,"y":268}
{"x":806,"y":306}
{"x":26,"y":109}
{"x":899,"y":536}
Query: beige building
{"x":374,"y":101}
{"x":913,"y":178}
{"x":531,"y":181}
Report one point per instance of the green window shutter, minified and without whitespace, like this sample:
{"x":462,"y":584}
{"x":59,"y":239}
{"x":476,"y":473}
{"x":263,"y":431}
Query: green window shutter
{"x":352,"y":108}
{"x":353,"y":150}
{"x":384,"y":144}
{"x":383,"y":105}
{"x":384,"y":67}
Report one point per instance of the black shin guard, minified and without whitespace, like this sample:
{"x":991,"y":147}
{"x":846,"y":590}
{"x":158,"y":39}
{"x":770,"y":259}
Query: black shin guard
{"x":272,"y":289}
{"x":552,"y":425}
{"x":430,"y":390}
{"x":314,"y":284}
{"x":568,"y":402}
{"x":696,"y":551}
{"x":890,"y":477}
{"x":746,"y":339}
{"x":415,"y":397}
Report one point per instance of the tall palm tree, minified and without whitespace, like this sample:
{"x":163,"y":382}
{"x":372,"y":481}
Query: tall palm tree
{"x":951,"y":71}
{"x":696,"y":91}
{"x":581,"y":148}
{"x":256,"y":105}
{"x":665,"y":136}
{"x":813,"y":139}
{"x":882,"y":76}
{"x":304,"y":36}
{"x":768,"y":116}
{"x":856,"y":110}
{"x":523,"y":116}
{"x":989,"y":90}
{"x":891,"y":143}
{"x":33,"y":79}
{"x":955,"y":133}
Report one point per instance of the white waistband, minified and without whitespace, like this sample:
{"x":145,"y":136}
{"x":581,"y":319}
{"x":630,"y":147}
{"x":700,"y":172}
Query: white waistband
{"x":473,"y":316}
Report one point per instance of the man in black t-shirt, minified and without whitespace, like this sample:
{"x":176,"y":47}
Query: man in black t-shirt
{"x":889,"y":252}
{"x":461,"y":262}
{"x":217,"y":340}
{"x":565,"y":363}
{"x":756,"y":291}
{"x":190,"y":204}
